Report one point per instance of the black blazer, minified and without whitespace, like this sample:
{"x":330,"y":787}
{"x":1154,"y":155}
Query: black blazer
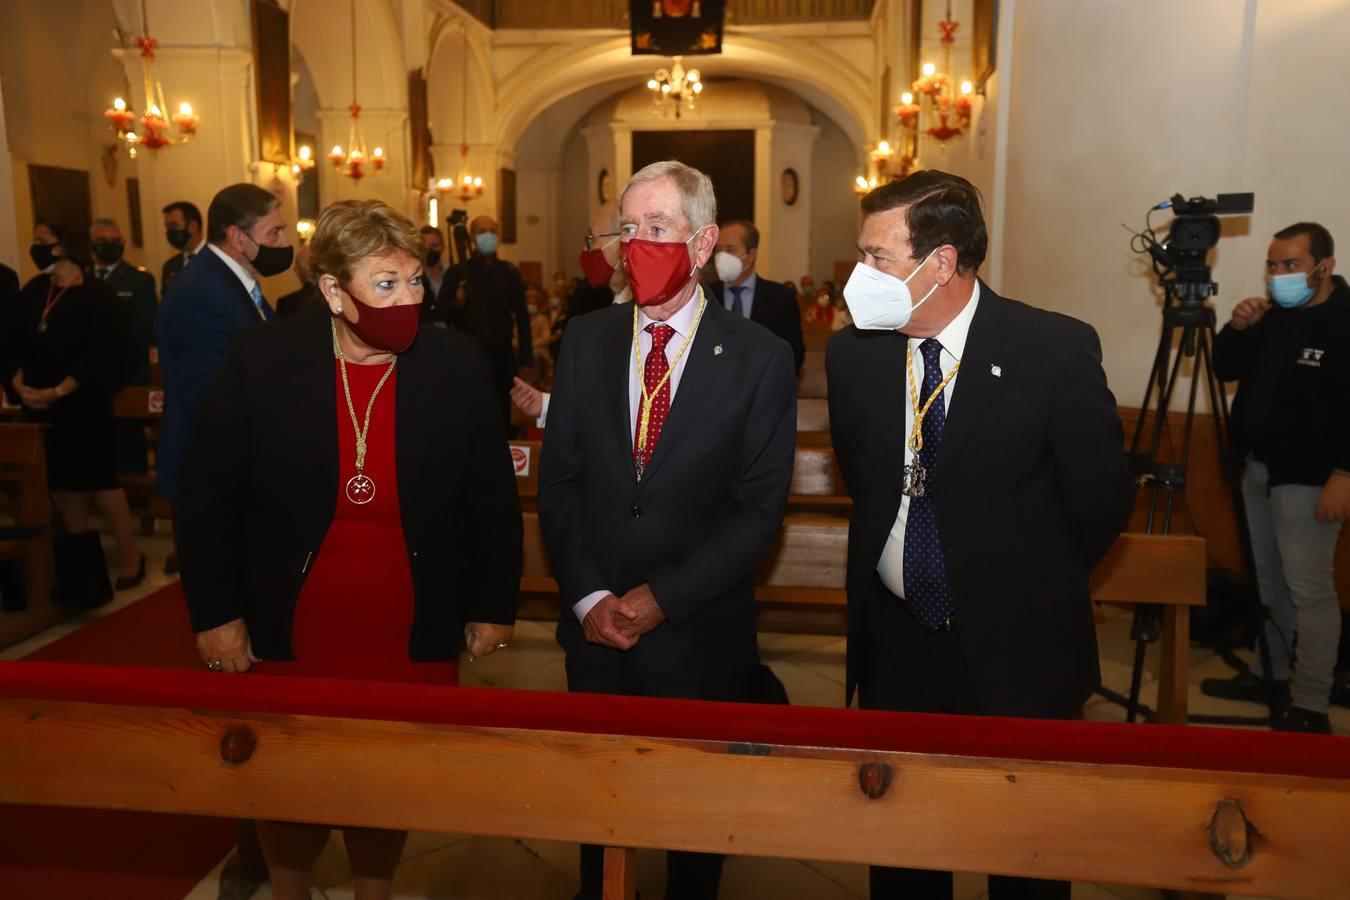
{"x":1031,"y":491}
{"x":775,"y":307}
{"x":260,"y":485}
{"x":705,"y":512}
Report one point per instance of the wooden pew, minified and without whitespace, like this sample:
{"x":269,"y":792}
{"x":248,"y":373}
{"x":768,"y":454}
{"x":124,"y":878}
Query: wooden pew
{"x":146,"y":405}
{"x":813,"y":421}
{"x":812,"y":381}
{"x":805,"y":572}
{"x":23,"y":477}
{"x":1204,"y":809}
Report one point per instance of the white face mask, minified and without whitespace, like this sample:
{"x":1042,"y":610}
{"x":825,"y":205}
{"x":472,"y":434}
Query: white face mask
{"x":878,"y":301}
{"x":729,"y":267}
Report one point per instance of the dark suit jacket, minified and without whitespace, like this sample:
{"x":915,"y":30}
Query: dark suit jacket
{"x":172,"y":268}
{"x":1031,"y":491}
{"x":134,"y":289}
{"x":260,"y":486}
{"x":203,"y":309}
{"x":775,"y":307}
{"x":9,"y":327}
{"x":587,"y":299}
{"x":705,"y":512}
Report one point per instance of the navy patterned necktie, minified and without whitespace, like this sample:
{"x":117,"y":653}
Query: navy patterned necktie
{"x":736,"y":306}
{"x":925,"y":572}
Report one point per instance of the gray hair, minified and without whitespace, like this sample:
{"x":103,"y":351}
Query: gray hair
{"x":103,"y":222}
{"x":697,"y":201}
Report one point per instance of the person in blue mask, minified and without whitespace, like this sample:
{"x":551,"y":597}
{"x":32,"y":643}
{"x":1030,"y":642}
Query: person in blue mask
{"x":1290,"y":351}
{"x":484,"y":297}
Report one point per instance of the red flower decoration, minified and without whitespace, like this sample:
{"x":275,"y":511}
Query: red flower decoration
{"x":948,"y":28}
{"x":147,"y":45}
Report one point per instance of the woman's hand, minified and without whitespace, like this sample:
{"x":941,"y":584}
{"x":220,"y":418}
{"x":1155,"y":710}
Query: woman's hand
{"x":227,"y":648}
{"x":485,"y":638}
{"x":36,"y":398}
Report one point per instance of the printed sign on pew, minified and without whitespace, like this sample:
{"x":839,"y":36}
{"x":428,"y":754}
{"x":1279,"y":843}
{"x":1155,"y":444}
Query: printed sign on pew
{"x":520,"y":458}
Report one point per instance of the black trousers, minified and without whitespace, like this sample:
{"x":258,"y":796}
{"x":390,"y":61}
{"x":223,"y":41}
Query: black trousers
{"x":689,"y":876}
{"x":907,"y":668}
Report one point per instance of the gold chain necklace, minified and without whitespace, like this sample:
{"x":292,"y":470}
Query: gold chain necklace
{"x":360,"y":488}
{"x":915,"y":476}
{"x":645,"y":410}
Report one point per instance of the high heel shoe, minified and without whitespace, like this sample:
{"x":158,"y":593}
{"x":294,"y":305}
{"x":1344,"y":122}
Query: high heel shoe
{"x":126,"y":583}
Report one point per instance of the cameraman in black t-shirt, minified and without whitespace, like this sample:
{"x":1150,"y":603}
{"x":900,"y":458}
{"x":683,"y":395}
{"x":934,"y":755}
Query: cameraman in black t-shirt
{"x":1291,"y":421}
{"x":485,"y":297}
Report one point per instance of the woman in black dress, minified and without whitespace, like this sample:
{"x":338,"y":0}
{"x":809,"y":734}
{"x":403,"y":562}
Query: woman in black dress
{"x":68,"y":359}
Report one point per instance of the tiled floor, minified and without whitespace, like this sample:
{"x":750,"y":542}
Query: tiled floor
{"x":812,"y":668}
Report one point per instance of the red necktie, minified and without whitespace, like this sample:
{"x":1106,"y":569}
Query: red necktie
{"x":654,"y":370}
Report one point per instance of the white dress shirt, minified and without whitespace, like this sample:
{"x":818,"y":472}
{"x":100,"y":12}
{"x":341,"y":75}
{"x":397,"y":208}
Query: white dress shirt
{"x":247,"y":280}
{"x":683,"y":323}
{"x":891,"y":567}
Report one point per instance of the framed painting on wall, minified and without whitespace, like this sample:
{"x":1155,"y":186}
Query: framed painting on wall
{"x":272,"y":68}
{"x":984,"y":40}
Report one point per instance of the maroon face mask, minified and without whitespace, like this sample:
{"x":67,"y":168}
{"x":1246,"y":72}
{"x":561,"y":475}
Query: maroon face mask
{"x":389,"y":328}
{"x":656,"y":271}
{"x":597,"y":268}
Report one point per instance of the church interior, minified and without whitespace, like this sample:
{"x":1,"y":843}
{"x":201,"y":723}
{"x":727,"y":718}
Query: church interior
{"x":1080,"y":126}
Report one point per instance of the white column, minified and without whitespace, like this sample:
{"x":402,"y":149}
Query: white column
{"x":764,"y":175}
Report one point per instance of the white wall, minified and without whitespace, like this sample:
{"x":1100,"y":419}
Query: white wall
{"x":58,"y":76}
{"x":834,"y":218}
{"x":1117,"y":105}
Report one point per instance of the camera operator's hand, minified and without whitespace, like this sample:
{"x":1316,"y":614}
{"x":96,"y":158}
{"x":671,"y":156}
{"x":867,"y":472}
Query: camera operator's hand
{"x":1249,"y":312}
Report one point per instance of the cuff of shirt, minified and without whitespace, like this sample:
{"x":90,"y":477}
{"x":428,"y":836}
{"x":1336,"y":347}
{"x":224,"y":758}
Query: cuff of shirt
{"x":543,"y":414}
{"x":583,"y":606}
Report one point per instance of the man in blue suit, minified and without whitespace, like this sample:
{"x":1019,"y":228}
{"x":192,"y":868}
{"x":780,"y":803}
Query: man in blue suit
{"x":211,"y":300}
{"x":206,"y":304}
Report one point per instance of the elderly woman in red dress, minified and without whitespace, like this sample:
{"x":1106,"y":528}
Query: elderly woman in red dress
{"x":348,"y":506}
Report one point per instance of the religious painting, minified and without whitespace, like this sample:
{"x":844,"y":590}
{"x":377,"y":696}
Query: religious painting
{"x":604,"y":187}
{"x":61,"y":196}
{"x":423,"y":168}
{"x":134,"y":212}
{"x":984,"y":38}
{"x":676,"y":27}
{"x":506,"y":205}
{"x":789,"y":187}
{"x":272,"y":81}
{"x":726,"y":157}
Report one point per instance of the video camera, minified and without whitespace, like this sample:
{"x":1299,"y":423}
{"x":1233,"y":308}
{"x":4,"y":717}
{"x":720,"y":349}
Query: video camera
{"x":1181,"y":259}
{"x":458,"y":223}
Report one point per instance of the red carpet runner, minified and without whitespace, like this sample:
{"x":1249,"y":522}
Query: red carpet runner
{"x":55,"y":853}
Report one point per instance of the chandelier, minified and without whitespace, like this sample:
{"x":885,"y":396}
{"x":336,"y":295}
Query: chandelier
{"x":468,"y":186}
{"x":675,"y":89}
{"x":154,"y":128}
{"x":353,"y":160}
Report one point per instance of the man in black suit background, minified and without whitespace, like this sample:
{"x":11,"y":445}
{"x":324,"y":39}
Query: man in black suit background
{"x":484,"y":297}
{"x":134,"y":289}
{"x":740,"y":289}
{"x":973,"y":532}
{"x":664,"y":476}
{"x":183,"y":230}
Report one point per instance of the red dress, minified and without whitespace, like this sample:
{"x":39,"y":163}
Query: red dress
{"x":355,"y":612}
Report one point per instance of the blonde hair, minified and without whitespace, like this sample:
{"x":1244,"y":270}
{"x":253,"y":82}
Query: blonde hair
{"x":351,"y":230}
{"x":697,"y":201}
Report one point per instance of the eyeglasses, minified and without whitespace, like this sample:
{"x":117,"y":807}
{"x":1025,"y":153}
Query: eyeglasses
{"x":592,"y":239}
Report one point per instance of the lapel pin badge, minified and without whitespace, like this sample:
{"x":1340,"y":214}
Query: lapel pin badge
{"x":996,"y":371}
{"x":717,"y":351}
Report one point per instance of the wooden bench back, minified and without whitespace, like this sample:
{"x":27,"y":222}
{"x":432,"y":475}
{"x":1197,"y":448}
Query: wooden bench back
{"x":139,"y":403}
{"x":812,"y":381}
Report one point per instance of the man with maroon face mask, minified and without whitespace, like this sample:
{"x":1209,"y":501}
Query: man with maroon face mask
{"x":664,"y":475}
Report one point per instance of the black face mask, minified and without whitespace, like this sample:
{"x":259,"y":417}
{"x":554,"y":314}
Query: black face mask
{"x":272,"y":260}
{"x":433,"y":258}
{"x":43,"y":255}
{"x":108,"y":252}
{"x":178,"y":237}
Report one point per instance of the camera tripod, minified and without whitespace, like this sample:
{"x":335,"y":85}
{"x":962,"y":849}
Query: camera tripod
{"x":1189,"y":324}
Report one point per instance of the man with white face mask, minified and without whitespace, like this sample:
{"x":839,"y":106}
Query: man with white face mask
{"x":742,"y":291}
{"x":983,"y":452}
